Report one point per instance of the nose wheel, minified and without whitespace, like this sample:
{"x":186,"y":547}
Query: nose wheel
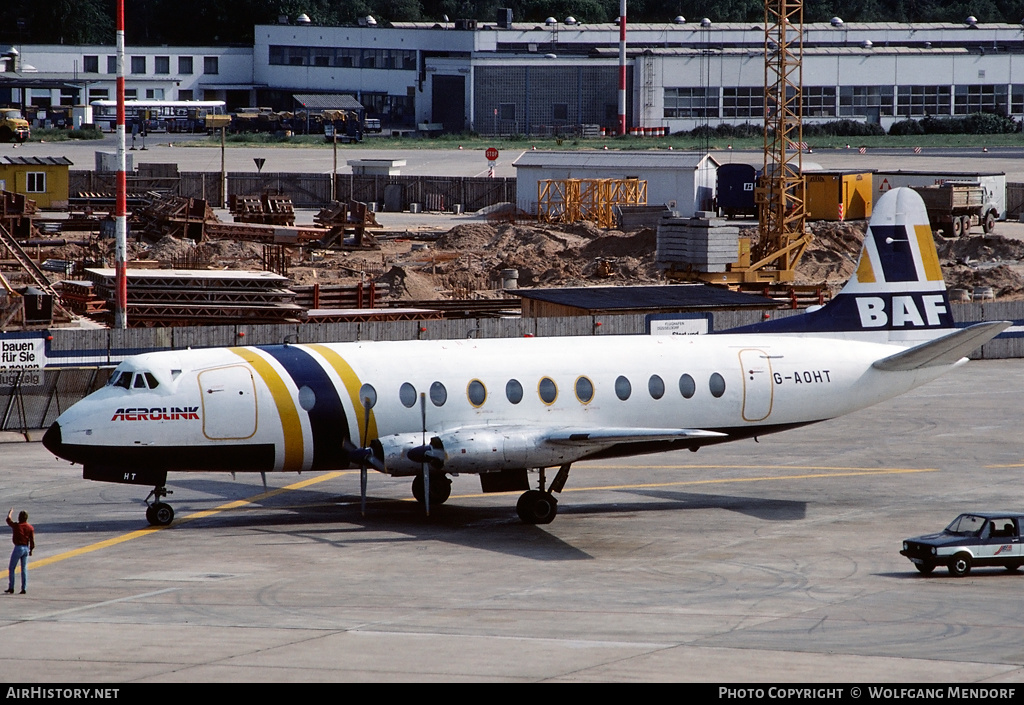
{"x":159,"y":513}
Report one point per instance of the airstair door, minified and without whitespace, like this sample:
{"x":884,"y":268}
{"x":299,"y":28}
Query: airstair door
{"x":229,"y":402}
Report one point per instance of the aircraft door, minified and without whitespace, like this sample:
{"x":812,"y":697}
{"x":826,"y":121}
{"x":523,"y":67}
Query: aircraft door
{"x":229,"y":402}
{"x":758,"y":387}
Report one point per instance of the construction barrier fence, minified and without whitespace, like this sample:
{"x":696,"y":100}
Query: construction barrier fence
{"x":390,"y":193}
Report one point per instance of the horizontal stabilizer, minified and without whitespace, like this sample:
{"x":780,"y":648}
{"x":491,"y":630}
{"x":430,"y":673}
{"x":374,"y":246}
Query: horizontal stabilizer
{"x":943,"y":351}
{"x":628,"y":435}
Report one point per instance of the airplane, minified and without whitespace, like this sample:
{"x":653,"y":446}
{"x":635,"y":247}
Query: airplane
{"x":505,"y":408}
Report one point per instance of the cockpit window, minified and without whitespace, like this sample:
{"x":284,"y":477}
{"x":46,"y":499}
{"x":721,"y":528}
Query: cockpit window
{"x":140,"y":381}
{"x":153,"y":384}
{"x":122,"y":379}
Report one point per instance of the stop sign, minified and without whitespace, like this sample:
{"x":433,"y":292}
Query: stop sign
{"x":491,"y":154}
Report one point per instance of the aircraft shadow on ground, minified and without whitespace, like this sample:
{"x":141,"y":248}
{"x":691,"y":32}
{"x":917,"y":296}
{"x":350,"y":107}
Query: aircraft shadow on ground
{"x":492,"y":527}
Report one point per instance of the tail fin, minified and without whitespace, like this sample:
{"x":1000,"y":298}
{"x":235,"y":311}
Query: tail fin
{"x":897,"y":293}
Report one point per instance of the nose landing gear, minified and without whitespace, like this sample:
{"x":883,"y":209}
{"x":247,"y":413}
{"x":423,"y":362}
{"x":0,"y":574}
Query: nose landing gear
{"x":159,"y":513}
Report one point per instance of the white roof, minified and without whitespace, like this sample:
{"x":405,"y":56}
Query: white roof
{"x":649,"y":159}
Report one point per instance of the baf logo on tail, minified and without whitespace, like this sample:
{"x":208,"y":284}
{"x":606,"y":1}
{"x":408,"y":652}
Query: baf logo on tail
{"x":897,"y":291}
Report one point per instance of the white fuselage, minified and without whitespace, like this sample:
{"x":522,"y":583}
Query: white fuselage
{"x":306,"y":400}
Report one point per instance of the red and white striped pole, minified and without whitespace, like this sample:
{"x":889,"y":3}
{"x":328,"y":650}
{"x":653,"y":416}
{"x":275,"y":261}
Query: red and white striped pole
{"x":121,"y":210}
{"x":622,"y":67}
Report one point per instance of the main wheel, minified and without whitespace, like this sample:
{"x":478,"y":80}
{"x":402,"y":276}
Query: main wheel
{"x":960,"y":565}
{"x":1012,"y":567}
{"x":956,"y":227}
{"x":536,"y":507}
{"x":440,"y":488}
{"x":924,"y":568}
{"x":160,"y":514}
{"x":965,"y":225}
{"x":989,"y":222}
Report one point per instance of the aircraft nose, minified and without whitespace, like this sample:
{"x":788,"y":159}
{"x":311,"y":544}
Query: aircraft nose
{"x":52,"y":439}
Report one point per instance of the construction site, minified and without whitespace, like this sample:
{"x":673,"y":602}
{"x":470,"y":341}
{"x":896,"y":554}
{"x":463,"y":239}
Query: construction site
{"x":296,"y":252}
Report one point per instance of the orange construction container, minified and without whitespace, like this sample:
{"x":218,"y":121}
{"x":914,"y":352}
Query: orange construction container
{"x":838,"y":195}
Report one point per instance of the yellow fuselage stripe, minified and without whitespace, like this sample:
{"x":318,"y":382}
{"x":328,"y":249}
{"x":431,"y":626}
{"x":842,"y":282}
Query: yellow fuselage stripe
{"x":291,"y":427}
{"x":352,"y":385}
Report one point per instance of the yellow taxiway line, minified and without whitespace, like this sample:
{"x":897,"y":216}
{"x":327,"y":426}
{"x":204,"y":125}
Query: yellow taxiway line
{"x":823,"y":472}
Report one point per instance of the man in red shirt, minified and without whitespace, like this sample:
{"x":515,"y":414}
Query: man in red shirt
{"x":24,"y":537}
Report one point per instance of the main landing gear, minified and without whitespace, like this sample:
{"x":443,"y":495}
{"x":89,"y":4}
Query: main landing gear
{"x":539,"y":506}
{"x":159,"y":513}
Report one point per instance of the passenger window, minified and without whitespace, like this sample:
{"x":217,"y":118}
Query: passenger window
{"x":548,"y":390}
{"x":623,"y":388}
{"x":687,"y":387}
{"x":656,"y":386}
{"x":514,"y":391}
{"x":438,"y":394}
{"x":477,"y":393}
{"x":584,"y":390}
{"x":153,"y":384}
{"x":368,"y":395}
{"x":407,"y":395}
{"x":717,"y":385}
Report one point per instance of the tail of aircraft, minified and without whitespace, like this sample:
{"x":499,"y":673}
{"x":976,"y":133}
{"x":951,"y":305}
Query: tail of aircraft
{"x":897,"y":293}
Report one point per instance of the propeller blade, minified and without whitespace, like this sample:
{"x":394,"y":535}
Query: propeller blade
{"x":426,"y":471}
{"x":365,"y":458}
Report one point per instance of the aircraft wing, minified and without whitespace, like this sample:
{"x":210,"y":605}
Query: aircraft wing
{"x":942,"y":351}
{"x":605,"y":436}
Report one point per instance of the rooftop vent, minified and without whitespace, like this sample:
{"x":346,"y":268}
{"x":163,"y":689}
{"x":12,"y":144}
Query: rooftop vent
{"x":679,"y":19}
{"x":550,"y":21}
{"x":971,"y":21}
{"x":705,"y":23}
{"x":570,"y":20}
{"x":303,"y":19}
{"x":867,"y":44}
{"x":836,"y":21}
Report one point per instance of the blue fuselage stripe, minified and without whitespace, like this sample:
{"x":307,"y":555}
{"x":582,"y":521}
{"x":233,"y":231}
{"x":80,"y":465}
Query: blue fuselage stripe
{"x":326,"y":416}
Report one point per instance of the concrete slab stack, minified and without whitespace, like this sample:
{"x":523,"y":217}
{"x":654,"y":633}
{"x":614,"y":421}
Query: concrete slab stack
{"x":704,"y":242}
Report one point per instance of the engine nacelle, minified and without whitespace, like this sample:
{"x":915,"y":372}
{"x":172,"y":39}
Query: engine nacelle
{"x":470,"y":451}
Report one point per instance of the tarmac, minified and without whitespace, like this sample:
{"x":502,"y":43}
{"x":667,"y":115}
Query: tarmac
{"x":768,"y":561}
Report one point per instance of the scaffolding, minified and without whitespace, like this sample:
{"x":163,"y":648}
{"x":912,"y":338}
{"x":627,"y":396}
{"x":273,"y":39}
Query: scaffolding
{"x":594,"y":200}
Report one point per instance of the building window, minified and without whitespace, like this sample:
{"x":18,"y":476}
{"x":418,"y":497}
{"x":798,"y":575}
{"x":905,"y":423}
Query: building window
{"x":154,"y":94}
{"x":99,"y":94}
{"x":35,"y":182}
{"x":865,"y":100}
{"x":186,"y":94}
{"x":185,"y":65}
{"x":691,"y":102}
{"x":131,"y":94}
{"x":819,"y":101}
{"x":138,"y":64}
{"x":981,"y":99}
{"x":162,"y":65}
{"x":111,"y":64}
{"x":918,"y":101}
{"x":211,"y":65}
{"x":1017,"y":99}
{"x":743,"y":102}
{"x":91,"y":64}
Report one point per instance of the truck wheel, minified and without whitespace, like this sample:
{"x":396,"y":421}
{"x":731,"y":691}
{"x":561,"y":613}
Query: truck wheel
{"x":965,"y":225}
{"x":989,"y":222}
{"x":956,"y":227}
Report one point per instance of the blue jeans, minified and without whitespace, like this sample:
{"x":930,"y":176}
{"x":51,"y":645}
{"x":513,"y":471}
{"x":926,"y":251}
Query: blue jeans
{"x":20,"y":553}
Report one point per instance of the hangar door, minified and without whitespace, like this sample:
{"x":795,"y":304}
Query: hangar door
{"x":448,"y":104}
